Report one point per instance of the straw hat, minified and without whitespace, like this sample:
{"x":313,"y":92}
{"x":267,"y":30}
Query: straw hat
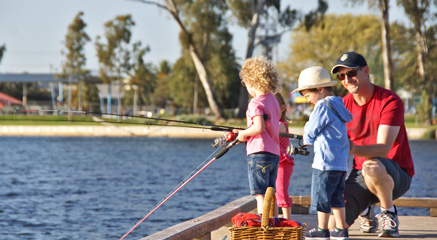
{"x":314,"y":77}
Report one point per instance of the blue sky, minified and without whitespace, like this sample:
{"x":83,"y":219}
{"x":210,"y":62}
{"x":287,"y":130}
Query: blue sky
{"x":33,"y":30}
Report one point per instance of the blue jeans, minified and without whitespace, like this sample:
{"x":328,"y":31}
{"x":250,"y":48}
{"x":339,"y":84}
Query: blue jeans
{"x":327,"y":190}
{"x":262,"y":171}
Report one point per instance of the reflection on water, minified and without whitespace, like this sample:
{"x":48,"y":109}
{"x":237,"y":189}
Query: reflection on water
{"x":98,"y":188}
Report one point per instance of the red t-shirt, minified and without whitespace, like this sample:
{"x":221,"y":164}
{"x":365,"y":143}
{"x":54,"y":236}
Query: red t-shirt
{"x":384,"y":108}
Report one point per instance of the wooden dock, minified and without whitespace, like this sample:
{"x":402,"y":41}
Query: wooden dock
{"x":410,"y":227}
{"x":215,"y":225}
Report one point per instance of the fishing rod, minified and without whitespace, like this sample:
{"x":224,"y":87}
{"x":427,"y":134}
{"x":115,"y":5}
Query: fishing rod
{"x":300,"y":150}
{"x":112,"y":122}
{"x":208,"y":126}
{"x":232,"y":141}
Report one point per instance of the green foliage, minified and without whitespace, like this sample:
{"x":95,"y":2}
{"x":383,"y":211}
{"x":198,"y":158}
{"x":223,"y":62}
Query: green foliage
{"x":142,"y":77}
{"x":91,"y":96}
{"x":161,"y":93}
{"x":181,"y":83}
{"x":324,"y":43}
{"x":114,"y":55}
{"x":209,"y":33}
{"x":419,"y":60}
{"x":243,"y":11}
{"x":75,"y":60}
{"x":75,"y":40}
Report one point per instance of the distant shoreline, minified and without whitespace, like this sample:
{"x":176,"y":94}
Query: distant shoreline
{"x":137,"y":131}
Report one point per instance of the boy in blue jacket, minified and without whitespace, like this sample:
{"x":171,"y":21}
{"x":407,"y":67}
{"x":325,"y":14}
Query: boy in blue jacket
{"x":326,"y":130}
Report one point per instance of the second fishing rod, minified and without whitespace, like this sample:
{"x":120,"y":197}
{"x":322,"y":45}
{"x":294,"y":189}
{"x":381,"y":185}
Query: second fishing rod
{"x":188,"y":124}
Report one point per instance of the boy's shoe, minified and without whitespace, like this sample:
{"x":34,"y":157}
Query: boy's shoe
{"x":317,"y":234}
{"x":389,"y":224}
{"x":340,"y":234}
{"x":368,"y":222}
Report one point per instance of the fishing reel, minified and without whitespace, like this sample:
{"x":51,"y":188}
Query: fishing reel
{"x":301,"y":150}
{"x":223,"y":141}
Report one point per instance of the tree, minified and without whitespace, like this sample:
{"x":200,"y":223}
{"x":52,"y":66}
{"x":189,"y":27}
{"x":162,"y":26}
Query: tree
{"x":174,"y":7}
{"x":2,"y":51}
{"x":75,"y":59}
{"x":248,"y":14}
{"x":424,"y":35}
{"x":161,"y":93}
{"x":181,"y":82}
{"x":215,"y":49}
{"x":142,"y":78}
{"x":383,"y":6}
{"x":114,"y":56}
{"x":326,"y":41}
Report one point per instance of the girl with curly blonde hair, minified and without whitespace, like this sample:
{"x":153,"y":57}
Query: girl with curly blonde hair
{"x":262,"y":133}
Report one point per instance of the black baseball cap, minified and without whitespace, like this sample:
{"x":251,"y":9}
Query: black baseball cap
{"x":349,"y":60}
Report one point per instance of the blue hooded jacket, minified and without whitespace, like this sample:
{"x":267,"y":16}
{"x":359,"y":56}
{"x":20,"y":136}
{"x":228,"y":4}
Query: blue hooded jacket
{"x":326,"y":130}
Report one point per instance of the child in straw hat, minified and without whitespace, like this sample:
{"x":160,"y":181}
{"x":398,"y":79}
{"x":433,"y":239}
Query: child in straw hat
{"x":326,"y":130}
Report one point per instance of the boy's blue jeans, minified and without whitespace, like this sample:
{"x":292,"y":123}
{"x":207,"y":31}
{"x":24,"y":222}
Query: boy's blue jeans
{"x":262,"y":171}
{"x":327,"y":190}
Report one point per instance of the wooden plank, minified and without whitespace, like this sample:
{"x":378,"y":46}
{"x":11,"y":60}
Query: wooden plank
{"x":201,"y":227}
{"x":301,"y":200}
{"x":400,"y":202}
{"x":416,"y":202}
{"x":207,"y":223}
{"x":301,"y":204}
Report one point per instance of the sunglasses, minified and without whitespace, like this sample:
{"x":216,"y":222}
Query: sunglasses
{"x":351,"y":73}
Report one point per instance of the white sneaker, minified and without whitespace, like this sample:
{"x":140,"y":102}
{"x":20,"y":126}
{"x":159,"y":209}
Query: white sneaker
{"x":368,"y":222}
{"x":389,"y":224}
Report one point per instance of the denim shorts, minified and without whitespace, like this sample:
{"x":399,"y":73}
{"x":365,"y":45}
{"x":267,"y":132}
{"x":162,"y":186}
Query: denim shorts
{"x":327,"y":190}
{"x":262,"y":171}
{"x":357,"y":195}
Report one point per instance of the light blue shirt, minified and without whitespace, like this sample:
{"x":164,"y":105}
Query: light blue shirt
{"x":326,"y":130}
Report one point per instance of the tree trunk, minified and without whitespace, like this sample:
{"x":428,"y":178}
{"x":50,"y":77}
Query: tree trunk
{"x":204,"y":79}
{"x":420,"y":49}
{"x":196,"y":96}
{"x":200,"y":67}
{"x":79,"y":104}
{"x":421,"y":58}
{"x":119,"y":100}
{"x":109,"y":100}
{"x":386,"y":48}
{"x":70,"y":79}
{"x":244,"y":96}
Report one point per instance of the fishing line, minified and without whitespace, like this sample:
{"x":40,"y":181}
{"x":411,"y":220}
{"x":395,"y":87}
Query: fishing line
{"x":192,"y":172}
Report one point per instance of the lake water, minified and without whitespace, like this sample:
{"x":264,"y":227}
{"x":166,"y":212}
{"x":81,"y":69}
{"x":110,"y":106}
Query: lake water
{"x":98,"y":188}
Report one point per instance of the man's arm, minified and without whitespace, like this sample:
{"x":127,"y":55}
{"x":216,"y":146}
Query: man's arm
{"x":385,"y":139}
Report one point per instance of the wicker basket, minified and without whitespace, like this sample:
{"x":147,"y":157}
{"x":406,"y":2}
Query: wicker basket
{"x":265,"y":232}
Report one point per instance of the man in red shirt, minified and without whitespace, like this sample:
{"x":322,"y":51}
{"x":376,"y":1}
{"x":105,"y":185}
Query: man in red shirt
{"x":382,"y":165}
